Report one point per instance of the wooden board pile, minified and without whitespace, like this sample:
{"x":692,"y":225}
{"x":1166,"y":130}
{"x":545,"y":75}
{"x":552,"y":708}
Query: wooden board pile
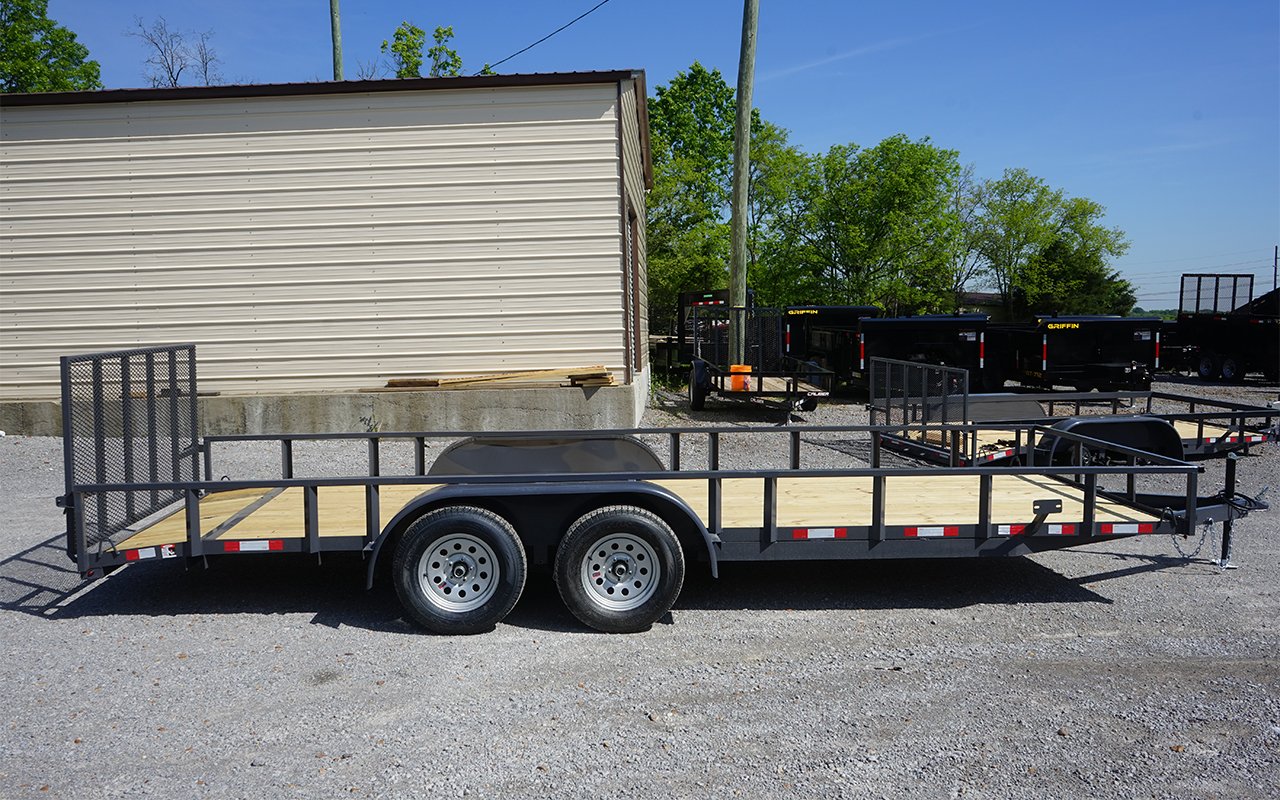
{"x":522,"y":379}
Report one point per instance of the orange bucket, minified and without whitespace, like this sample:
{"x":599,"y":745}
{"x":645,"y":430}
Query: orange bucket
{"x":739,"y":377}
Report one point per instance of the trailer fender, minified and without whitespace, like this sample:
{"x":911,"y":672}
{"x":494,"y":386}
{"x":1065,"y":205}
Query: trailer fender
{"x":662,"y":501}
{"x":1143,"y":432}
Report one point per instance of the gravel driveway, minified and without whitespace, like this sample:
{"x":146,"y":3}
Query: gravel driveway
{"x":1115,"y":670}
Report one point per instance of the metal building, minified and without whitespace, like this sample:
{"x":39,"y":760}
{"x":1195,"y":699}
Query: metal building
{"x":328,"y":236}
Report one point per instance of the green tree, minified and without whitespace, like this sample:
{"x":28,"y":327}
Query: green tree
{"x":38,"y":55}
{"x":1076,"y":280}
{"x":691,"y":135}
{"x":1043,"y":250}
{"x":445,"y":61}
{"x":405,"y":50}
{"x":868,"y":226}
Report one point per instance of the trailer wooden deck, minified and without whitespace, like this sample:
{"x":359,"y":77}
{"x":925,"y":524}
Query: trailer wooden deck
{"x":253,"y":514}
{"x":994,"y":445}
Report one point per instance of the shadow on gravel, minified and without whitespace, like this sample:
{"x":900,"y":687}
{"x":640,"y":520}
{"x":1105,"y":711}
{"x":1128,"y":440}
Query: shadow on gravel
{"x":40,"y":582}
{"x":923,"y":584}
{"x":1248,"y":382}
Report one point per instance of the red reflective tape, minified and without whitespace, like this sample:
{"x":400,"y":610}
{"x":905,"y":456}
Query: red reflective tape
{"x":787,"y":338}
{"x":1068,"y":529}
{"x":951,"y":530}
{"x":800,"y":533}
{"x":982,"y":349}
{"x":276,"y":544}
{"x":231,"y":547}
{"x":909,"y":532}
{"x":130,"y":555}
{"x":862,"y":351}
{"x":842,"y":533}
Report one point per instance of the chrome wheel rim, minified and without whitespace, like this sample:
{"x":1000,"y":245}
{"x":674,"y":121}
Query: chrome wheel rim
{"x":458,"y":573}
{"x":620,"y":572}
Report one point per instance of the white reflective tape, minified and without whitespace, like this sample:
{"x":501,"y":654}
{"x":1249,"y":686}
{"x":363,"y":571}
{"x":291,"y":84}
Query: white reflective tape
{"x":252,"y":545}
{"x":147,"y":552}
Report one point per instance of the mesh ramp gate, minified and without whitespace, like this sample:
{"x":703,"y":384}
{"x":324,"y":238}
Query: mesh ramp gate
{"x":128,"y":417}
{"x":912,"y":396}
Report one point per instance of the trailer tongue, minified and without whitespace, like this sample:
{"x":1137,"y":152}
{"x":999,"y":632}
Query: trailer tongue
{"x":616,"y":518}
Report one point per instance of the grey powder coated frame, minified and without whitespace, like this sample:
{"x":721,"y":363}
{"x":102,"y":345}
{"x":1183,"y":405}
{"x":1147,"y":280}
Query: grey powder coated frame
{"x":541,"y":506}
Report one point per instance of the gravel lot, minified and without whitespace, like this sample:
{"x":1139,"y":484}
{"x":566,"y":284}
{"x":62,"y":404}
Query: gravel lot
{"x":1117,"y":670}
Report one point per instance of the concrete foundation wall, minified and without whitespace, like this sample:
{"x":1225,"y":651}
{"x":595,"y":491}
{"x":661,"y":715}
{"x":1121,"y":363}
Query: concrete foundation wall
{"x":343,"y":412}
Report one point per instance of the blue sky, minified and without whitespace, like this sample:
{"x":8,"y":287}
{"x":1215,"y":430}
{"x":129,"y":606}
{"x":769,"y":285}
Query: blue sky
{"x":1167,"y":113}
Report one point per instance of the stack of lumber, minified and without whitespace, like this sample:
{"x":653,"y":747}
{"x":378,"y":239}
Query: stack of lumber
{"x":522,"y":379}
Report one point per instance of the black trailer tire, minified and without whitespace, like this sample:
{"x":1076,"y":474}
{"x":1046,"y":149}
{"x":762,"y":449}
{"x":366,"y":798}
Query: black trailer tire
{"x":1208,"y":368}
{"x":619,"y":569}
{"x":1230,"y":369}
{"x":697,"y":386}
{"x":459,"y":570}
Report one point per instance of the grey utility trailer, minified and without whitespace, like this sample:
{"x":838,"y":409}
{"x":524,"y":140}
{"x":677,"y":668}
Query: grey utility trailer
{"x":616,"y":521}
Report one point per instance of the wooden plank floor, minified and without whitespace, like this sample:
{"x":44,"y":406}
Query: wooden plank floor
{"x":913,"y":500}
{"x":1190,"y":430}
{"x":989,"y":440}
{"x":924,"y":500}
{"x":340,"y":512}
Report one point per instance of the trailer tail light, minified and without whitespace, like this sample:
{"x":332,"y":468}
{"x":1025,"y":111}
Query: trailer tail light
{"x":252,"y":545}
{"x":1128,"y":527}
{"x":802,"y":534}
{"x":982,"y":350}
{"x":1044,"y":353}
{"x":862,"y":351}
{"x":933,"y":532}
{"x":1157,"y":349}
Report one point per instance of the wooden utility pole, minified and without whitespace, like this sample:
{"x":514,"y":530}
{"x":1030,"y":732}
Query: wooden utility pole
{"x":337,"y":39}
{"x":741,"y":176}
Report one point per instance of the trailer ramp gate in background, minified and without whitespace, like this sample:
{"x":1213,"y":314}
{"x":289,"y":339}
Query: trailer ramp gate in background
{"x":128,"y":417}
{"x":913,"y":399}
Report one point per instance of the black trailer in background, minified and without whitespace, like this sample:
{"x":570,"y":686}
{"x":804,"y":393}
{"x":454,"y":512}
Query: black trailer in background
{"x":1224,"y":332}
{"x":950,"y":340}
{"x":1082,"y":352}
{"x":826,"y":335}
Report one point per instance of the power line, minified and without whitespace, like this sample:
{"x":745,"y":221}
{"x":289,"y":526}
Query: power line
{"x":1194,"y":258}
{"x":1257,"y":265}
{"x":548,"y":36}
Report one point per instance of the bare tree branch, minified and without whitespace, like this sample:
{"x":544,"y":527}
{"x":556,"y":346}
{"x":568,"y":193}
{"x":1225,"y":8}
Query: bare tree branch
{"x":170,"y":54}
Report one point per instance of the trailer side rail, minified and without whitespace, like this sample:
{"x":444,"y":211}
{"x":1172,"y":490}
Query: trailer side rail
{"x":318,"y":501}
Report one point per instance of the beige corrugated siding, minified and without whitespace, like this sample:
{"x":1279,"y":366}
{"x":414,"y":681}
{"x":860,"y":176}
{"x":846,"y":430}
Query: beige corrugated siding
{"x":315,"y":242}
{"x":633,"y":187}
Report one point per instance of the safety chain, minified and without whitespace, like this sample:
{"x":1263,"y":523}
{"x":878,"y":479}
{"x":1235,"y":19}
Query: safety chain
{"x":1204,"y":537}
